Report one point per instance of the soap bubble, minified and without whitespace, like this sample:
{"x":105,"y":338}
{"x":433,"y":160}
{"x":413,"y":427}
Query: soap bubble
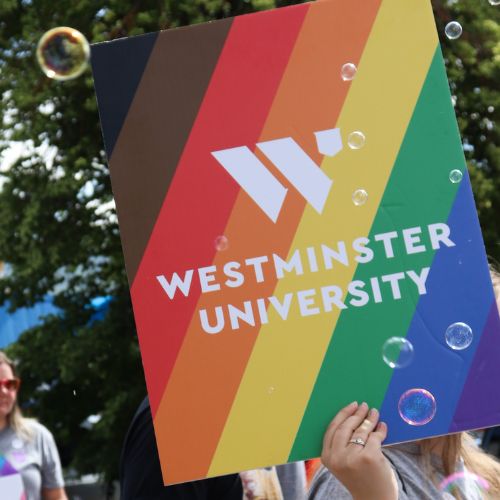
{"x":417,"y":407}
{"x":221,"y":243}
{"x":468,"y":483}
{"x":456,"y":176}
{"x":359,"y":197}
{"x":348,"y":71}
{"x":397,"y":352}
{"x":63,"y":53}
{"x":459,"y":336}
{"x":453,"y":30}
{"x":356,"y":140}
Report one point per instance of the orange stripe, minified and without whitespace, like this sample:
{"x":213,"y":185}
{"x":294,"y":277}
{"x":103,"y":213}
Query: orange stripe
{"x":208,"y":370}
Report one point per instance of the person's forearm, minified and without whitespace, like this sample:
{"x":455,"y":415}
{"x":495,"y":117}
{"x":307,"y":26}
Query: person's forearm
{"x":54,"y":494}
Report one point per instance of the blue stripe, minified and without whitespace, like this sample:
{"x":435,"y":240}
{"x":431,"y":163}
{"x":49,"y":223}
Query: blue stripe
{"x":458,"y":289}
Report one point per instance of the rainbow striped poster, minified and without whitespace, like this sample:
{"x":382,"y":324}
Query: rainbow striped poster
{"x":299,"y":231}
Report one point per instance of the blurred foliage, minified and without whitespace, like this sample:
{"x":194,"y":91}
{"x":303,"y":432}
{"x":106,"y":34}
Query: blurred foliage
{"x":60,"y":237}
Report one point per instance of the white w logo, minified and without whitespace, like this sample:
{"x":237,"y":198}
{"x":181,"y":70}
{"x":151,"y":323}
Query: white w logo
{"x":292,"y":161}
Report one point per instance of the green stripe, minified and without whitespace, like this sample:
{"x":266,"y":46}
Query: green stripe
{"x":418,"y":193}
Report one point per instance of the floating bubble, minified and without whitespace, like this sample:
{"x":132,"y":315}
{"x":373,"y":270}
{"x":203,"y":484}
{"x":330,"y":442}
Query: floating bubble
{"x":63,"y":53}
{"x":356,"y":140}
{"x":397,"y":352}
{"x":359,"y":197}
{"x":462,"y":483}
{"x":221,"y":243}
{"x":348,"y":71}
{"x":417,"y":407}
{"x":494,"y":2}
{"x":459,"y":336}
{"x":456,"y":176}
{"x":453,"y":30}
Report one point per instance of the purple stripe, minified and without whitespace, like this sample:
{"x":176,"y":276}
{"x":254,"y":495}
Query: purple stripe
{"x":479,"y":404}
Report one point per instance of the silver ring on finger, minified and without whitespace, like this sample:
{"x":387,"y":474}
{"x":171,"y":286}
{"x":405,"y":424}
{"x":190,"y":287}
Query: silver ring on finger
{"x":359,"y":441}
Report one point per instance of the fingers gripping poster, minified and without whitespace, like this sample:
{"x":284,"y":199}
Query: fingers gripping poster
{"x":299,"y":231}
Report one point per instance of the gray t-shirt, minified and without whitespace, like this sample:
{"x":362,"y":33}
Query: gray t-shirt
{"x":413,"y":481}
{"x":293,"y":480}
{"x":37,"y":459}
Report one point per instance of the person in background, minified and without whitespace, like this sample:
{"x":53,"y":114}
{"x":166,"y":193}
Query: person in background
{"x":140,"y":470}
{"x":281,"y":482}
{"x":293,"y":480}
{"x":141,"y":477}
{"x":261,"y":484}
{"x":355,"y":466}
{"x":26,"y":446}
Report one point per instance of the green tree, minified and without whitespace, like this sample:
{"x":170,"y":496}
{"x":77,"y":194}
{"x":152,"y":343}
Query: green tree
{"x":59,"y":240}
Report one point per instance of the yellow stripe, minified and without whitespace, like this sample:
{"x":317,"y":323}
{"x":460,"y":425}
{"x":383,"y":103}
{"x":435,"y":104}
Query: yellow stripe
{"x":284,"y":364}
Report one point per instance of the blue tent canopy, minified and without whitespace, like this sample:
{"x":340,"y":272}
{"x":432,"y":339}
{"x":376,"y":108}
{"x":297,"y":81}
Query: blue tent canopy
{"x":12,"y":324}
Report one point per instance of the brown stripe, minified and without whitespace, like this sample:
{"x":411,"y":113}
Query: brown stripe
{"x":157,"y":127}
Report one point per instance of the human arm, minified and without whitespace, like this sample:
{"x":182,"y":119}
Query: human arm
{"x":50,"y":467}
{"x":54,"y":494}
{"x":362,"y":469}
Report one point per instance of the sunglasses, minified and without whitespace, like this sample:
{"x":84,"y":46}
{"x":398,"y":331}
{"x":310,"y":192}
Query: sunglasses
{"x":11,"y":384}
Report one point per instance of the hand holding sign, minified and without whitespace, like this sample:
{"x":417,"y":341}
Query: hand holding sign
{"x":352,"y":451}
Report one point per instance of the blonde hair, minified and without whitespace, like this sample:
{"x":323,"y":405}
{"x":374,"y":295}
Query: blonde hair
{"x":477,"y":461}
{"x":19,"y":424}
{"x":462,"y":445}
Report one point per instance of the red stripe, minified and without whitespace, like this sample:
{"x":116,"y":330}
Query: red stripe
{"x":201,"y":196}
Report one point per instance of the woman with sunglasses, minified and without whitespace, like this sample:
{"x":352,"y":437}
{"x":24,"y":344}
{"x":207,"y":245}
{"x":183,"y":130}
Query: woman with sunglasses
{"x":25,"y":445}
